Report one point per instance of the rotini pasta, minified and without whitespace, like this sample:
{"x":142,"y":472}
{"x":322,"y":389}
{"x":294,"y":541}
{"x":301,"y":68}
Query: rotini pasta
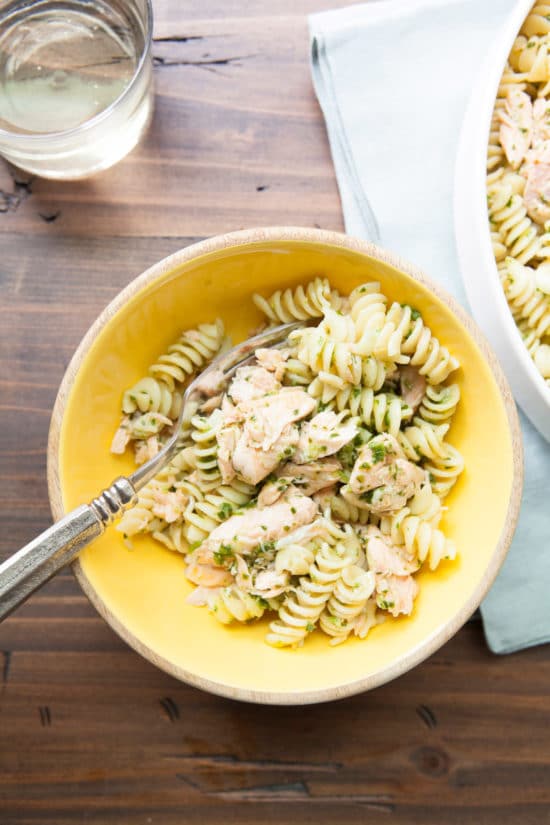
{"x":445,"y":470}
{"x":418,"y":536}
{"x":312,"y":486}
{"x":301,"y":610}
{"x":348,"y":599}
{"x":300,"y":304}
{"x":439,"y":403}
{"x":518,"y":182}
{"x":423,"y":440}
{"x":232,"y":604}
{"x":187,"y":356}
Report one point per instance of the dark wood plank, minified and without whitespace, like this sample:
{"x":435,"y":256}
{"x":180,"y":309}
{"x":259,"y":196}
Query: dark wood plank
{"x":88,"y":730}
{"x":124,"y":740}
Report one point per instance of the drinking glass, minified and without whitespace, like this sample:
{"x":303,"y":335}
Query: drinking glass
{"x":76,"y":83}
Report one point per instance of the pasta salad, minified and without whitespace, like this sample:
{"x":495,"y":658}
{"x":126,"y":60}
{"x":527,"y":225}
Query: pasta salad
{"x":518,"y":184}
{"x":311,"y":487}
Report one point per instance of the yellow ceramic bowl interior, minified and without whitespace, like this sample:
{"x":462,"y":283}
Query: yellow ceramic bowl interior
{"x":142,"y":592}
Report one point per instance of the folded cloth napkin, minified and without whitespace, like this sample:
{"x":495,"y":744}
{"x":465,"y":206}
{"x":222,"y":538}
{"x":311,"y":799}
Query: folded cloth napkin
{"x":393,"y":79}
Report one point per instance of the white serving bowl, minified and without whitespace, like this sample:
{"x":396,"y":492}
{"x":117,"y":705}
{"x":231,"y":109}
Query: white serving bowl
{"x":477,"y":262}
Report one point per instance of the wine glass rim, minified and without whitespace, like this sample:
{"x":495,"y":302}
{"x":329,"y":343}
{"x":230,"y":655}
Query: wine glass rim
{"x":28,"y":138}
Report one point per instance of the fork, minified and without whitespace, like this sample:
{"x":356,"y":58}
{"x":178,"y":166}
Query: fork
{"x":32,"y":566}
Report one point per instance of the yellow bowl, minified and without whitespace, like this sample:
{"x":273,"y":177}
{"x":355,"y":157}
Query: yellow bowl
{"x":142,"y":592}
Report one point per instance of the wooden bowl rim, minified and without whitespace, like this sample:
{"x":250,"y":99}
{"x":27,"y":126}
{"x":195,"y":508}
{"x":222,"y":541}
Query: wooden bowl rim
{"x":334,"y":239}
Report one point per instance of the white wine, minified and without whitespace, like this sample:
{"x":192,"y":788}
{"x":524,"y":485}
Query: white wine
{"x":62,"y":64}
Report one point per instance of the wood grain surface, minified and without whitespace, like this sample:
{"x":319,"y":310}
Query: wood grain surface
{"x":89,"y":731}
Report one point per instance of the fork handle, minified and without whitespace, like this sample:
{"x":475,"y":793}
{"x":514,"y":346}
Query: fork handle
{"x":36,"y":563}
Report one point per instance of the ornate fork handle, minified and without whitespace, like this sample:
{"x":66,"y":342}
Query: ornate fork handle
{"x":33,"y":565}
{"x":38,"y":561}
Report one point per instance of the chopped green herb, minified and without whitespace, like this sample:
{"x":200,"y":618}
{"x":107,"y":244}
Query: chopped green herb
{"x":310,"y":627}
{"x":378,"y":451}
{"x":225,"y":511}
{"x":223,"y":554}
{"x":267,"y":546}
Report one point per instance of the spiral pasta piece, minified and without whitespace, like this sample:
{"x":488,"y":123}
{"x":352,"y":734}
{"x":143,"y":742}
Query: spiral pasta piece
{"x":419,"y":536}
{"x":172,"y":536}
{"x":344,"y":511}
{"x":183,"y":462}
{"x":348,"y":599}
{"x":423,"y":440}
{"x":233,"y":604}
{"x":297,"y":374}
{"x":439,"y":403}
{"x":300,"y":611}
{"x":214,"y":507}
{"x":527,"y":302}
{"x":304,"y":302}
{"x":517,"y":230}
{"x":326,"y":358}
{"x":368,"y":313}
{"x":389,"y":342}
{"x":337,"y":327}
{"x":189,"y":354}
{"x":295,"y":559}
{"x":383,"y":412}
{"x":137,"y":519}
{"x":444,"y":470}
{"x":537,"y":21}
{"x":157,"y":503}
{"x":433,"y":360}
{"x":203,"y":435}
{"x":150,"y":395}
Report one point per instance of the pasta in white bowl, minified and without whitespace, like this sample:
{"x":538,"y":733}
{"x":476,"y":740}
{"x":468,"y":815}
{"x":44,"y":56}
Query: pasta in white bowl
{"x":500,"y":216}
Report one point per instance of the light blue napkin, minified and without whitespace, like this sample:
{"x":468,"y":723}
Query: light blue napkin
{"x":393,"y":79}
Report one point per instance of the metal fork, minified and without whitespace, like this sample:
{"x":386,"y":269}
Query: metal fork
{"x":32,"y":566}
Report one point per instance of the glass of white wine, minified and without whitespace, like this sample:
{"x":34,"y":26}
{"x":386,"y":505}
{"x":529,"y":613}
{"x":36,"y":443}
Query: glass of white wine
{"x":76,"y":83}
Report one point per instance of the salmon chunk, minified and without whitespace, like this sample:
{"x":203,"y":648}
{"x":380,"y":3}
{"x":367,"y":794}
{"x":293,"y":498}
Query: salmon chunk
{"x":413,"y":386}
{"x":242,"y":533}
{"x":382,"y":478}
{"x":325,"y":434}
{"x":396,"y":594}
{"x":516,"y":126}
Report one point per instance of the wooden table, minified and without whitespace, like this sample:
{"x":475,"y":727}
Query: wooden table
{"x":89,"y":732}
